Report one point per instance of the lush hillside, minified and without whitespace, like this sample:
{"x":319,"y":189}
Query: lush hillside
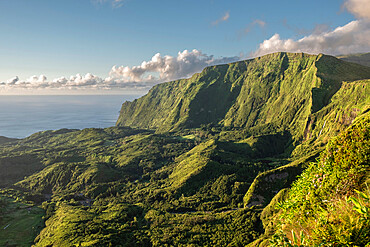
{"x":195,"y":162}
{"x":274,"y":93}
{"x":362,"y":58}
{"x":20,"y":220}
{"x":329,"y":204}
{"x":143,"y":180}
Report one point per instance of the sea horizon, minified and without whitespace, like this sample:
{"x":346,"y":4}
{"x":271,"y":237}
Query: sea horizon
{"x":24,"y":115}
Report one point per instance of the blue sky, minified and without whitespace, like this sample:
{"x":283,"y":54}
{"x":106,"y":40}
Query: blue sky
{"x":63,"y":38}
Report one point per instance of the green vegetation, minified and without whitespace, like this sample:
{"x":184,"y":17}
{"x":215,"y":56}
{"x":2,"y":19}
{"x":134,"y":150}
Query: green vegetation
{"x":318,"y":204}
{"x":329,"y":204}
{"x":20,"y":220}
{"x":110,"y":222}
{"x":267,"y":184}
{"x":205,"y":161}
{"x":276,"y":93}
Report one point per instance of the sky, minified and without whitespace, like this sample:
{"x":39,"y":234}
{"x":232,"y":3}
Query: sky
{"x":127,"y":46}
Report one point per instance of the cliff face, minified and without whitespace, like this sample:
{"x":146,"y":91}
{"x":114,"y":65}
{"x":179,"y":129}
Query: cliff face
{"x":275,"y":93}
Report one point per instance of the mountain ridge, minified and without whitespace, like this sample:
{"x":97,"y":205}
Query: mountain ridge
{"x":252,"y":95}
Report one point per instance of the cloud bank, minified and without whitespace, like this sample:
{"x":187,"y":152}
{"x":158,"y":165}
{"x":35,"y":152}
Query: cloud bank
{"x":165,"y":68}
{"x":360,"y":8}
{"x":143,"y":77}
{"x":353,"y":37}
{"x":350,"y":38}
{"x":77,"y":82}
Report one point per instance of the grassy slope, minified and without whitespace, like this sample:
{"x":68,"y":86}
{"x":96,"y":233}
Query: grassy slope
{"x":267,"y":184}
{"x":149,"y":214}
{"x":316,"y":208}
{"x":144,"y":213}
{"x":150,"y":169}
{"x":123,"y":225}
{"x":87,"y":161}
{"x":273,"y":93}
{"x":20,"y":221}
{"x":350,"y":101}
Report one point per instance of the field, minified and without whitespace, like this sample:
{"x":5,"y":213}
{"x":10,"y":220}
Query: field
{"x":20,"y":222}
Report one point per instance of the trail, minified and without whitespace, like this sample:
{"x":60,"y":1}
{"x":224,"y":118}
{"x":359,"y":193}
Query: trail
{"x":6,"y":226}
{"x":322,"y":128}
{"x":206,"y":212}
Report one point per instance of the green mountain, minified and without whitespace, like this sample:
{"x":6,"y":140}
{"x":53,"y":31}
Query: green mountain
{"x":280,"y":92}
{"x":361,"y":58}
{"x":201,"y":162}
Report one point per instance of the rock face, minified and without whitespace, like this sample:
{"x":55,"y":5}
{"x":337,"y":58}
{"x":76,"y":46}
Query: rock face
{"x":267,"y":184}
{"x":270,"y":94}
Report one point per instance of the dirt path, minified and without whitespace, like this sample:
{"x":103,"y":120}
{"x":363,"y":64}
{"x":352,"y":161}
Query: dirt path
{"x":205,"y":212}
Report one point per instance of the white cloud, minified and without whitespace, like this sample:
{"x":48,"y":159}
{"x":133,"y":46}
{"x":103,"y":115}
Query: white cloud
{"x":37,"y":79}
{"x":224,"y":18}
{"x":139,"y":78}
{"x":41,"y":82}
{"x":12,"y":81}
{"x":168,"y":67}
{"x":360,"y":8}
{"x":350,"y":38}
{"x":353,"y":37}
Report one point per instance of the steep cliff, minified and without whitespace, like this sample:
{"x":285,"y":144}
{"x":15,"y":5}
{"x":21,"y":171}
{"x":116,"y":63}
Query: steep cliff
{"x":276,"y":93}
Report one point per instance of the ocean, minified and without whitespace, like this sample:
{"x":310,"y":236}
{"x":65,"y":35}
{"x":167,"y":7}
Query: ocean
{"x":21,"y":116}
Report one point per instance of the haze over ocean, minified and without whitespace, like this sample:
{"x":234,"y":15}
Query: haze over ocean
{"x":21,"y":116}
